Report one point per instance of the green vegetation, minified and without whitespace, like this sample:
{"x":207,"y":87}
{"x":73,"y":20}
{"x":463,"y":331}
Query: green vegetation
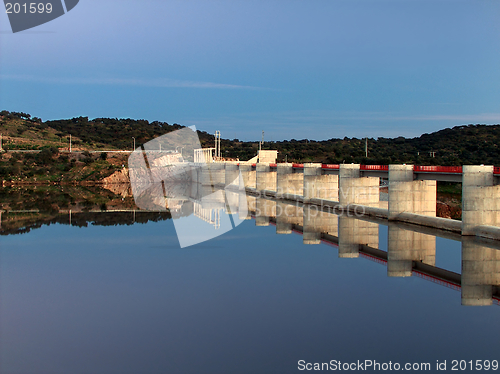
{"x":449,"y":188}
{"x":49,"y":165}
{"x":461,"y":145}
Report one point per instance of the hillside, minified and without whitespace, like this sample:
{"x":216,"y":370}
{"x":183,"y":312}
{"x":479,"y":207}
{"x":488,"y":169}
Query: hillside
{"x":461,"y":145}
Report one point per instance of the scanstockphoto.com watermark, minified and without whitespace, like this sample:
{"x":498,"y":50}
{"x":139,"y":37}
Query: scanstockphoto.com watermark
{"x":374,"y":365}
{"x":24,"y":15}
{"x":288,"y":209}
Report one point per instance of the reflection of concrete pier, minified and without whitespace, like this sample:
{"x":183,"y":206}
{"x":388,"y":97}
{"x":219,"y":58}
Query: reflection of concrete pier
{"x":309,"y":197}
{"x":409,"y":253}
{"x":480,"y":273}
{"x":353,"y":233}
{"x":406,"y":246}
{"x":287,"y":215}
{"x":317,"y":222}
{"x":264,"y":209}
{"x":411,"y":249}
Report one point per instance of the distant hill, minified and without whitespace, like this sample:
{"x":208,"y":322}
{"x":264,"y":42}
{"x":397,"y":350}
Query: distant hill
{"x":461,"y":145}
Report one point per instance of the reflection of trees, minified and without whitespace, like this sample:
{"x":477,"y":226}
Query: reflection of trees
{"x":25,"y":224}
{"x":25,"y":209}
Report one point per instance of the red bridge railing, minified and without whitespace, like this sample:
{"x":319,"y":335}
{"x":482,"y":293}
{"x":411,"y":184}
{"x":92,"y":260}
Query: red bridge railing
{"x":330,"y":166}
{"x":438,"y":169}
{"x":416,"y":168}
{"x":375,"y":167}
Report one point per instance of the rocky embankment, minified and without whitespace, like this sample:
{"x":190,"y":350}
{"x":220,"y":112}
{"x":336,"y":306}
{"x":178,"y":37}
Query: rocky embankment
{"x":448,"y":206}
{"x":118,"y":183}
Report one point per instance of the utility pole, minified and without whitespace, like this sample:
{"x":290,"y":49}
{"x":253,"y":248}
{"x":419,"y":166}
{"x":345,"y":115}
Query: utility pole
{"x":261,"y":142}
{"x":366,"y":147}
{"x":217,"y":145}
{"x":134,"y":144}
{"x":69,"y":143}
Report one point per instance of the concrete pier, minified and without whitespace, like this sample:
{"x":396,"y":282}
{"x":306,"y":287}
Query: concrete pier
{"x":320,"y":186}
{"x":480,"y":199}
{"x":266,"y":177}
{"x":248,"y":175}
{"x":289,"y":182}
{"x":232,"y":175}
{"x":410,"y":196}
{"x":354,"y":189}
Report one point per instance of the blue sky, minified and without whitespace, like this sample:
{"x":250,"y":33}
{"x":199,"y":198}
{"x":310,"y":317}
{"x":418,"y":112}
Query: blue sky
{"x":295,"y":69}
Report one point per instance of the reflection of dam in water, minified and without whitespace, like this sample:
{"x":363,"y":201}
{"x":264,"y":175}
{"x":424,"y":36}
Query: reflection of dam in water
{"x":411,"y":249}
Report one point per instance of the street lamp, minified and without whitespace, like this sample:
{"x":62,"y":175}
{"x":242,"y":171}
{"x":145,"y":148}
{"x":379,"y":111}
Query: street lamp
{"x":134,"y":143}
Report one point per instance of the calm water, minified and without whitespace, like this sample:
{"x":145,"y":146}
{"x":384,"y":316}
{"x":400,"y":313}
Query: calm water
{"x":128,"y":299}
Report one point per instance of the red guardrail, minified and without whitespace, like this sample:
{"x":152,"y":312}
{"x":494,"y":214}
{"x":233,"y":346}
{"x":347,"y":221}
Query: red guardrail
{"x":330,"y":166}
{"x":374,"y":167}
{"x":438,"y":169}
{"x":416,"y":168}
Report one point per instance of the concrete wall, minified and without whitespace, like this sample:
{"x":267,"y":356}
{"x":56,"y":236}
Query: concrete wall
{"x":288,"y":181}
{"x":410,"y":196}
{"x":232,"y":174}
{"x":480,"y":199}
{"x":354,"y":189}
{"x":266,"y":177}
{"x":248,"y":175}
{"x":317,"y":185}
{"x":410,"y":200}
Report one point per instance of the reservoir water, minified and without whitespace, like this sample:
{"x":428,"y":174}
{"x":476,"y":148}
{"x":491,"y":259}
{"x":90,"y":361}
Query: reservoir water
{"x":103,"y":288}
